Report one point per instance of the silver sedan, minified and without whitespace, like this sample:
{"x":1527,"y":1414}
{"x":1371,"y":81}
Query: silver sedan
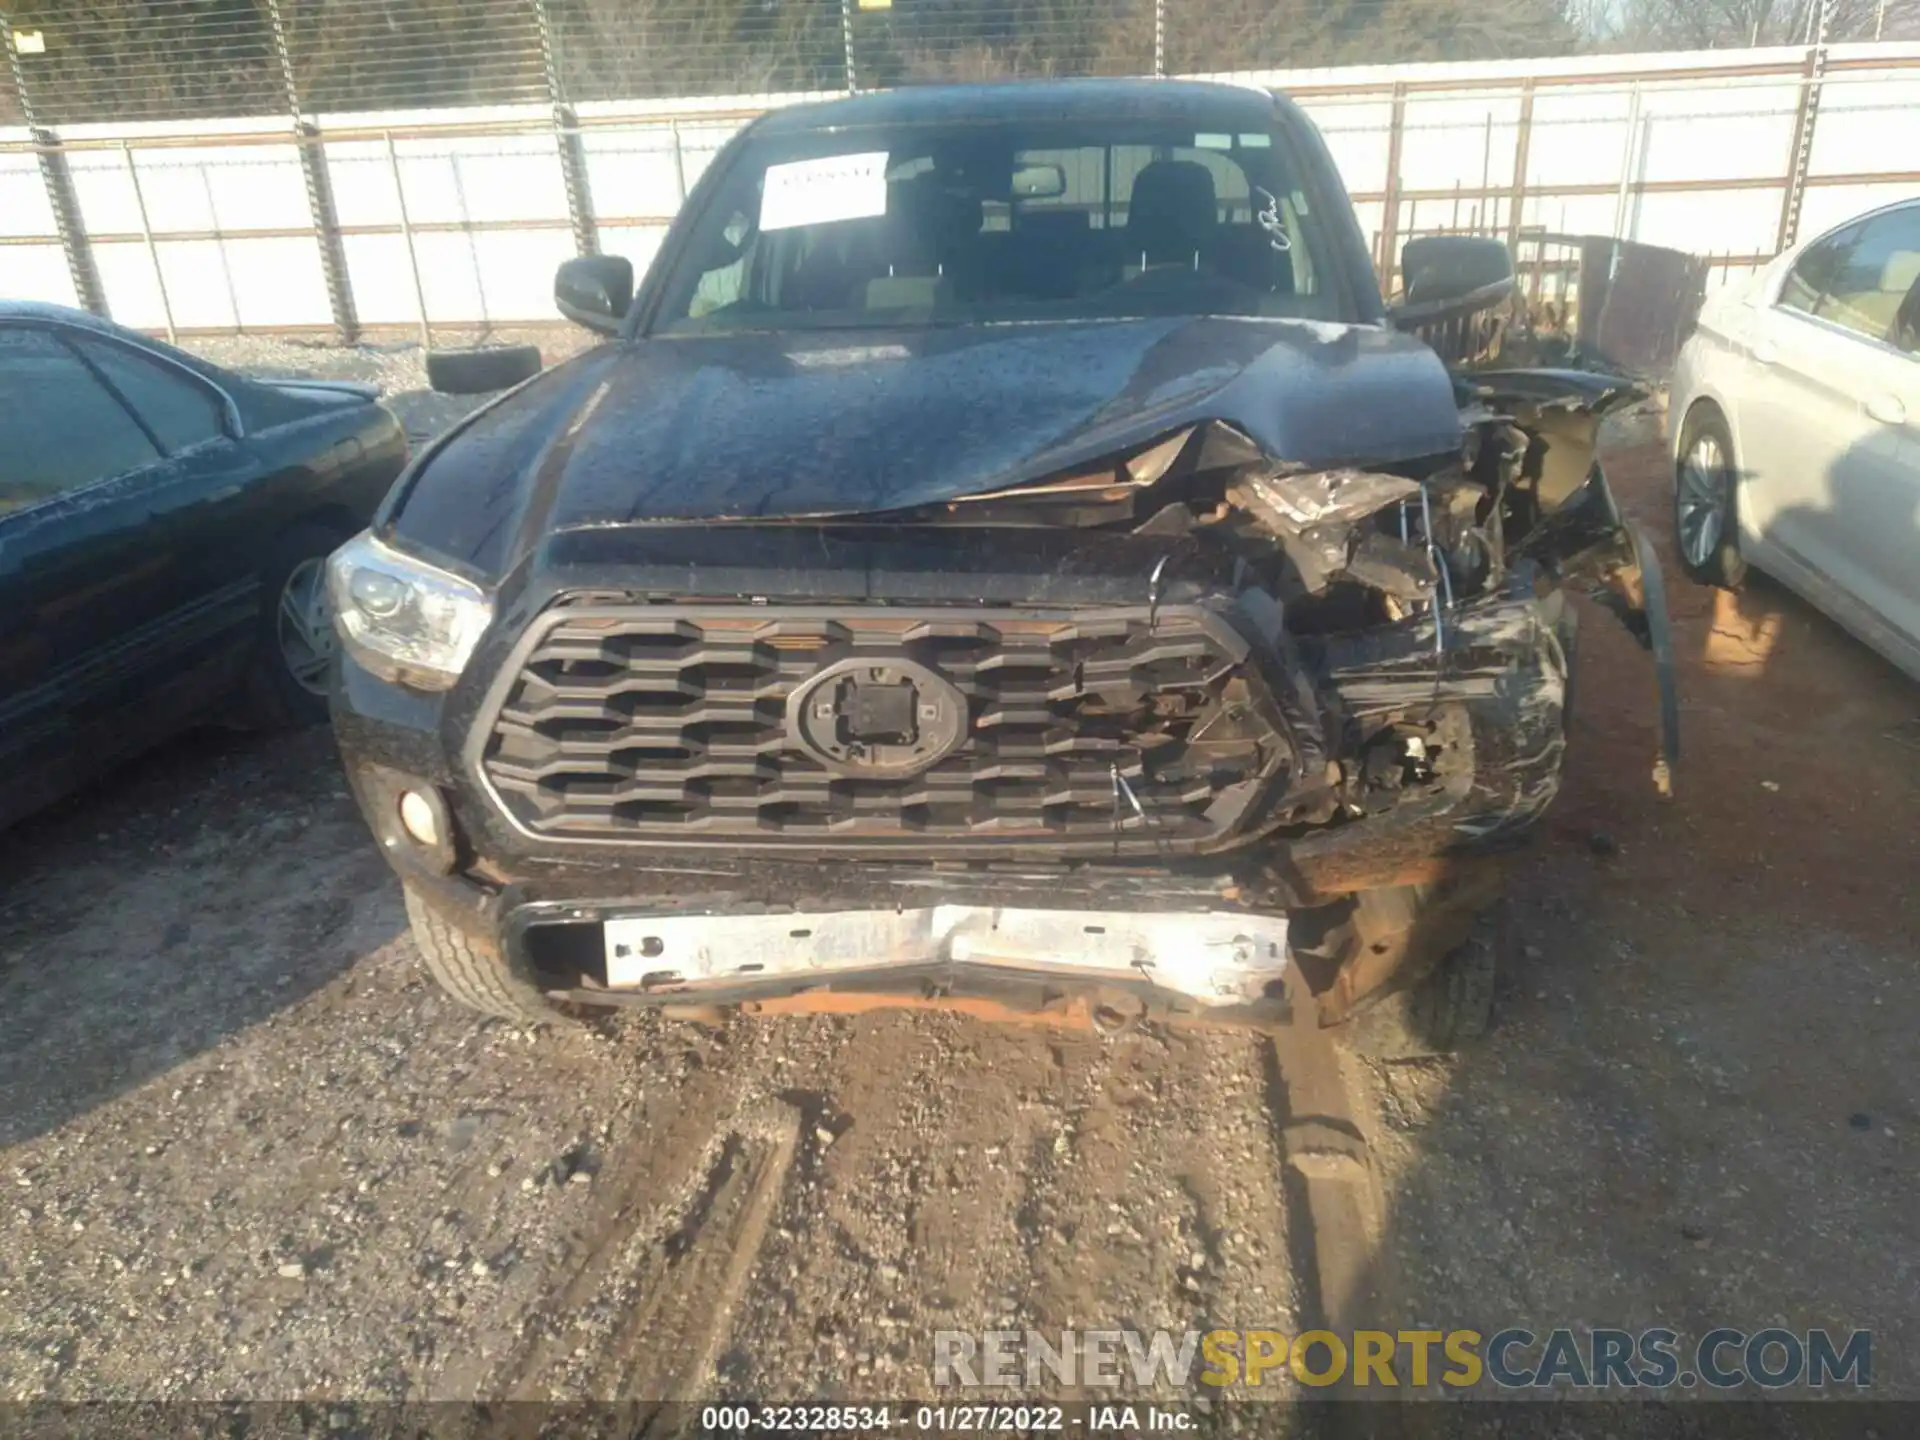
{"x":1798,"y":444}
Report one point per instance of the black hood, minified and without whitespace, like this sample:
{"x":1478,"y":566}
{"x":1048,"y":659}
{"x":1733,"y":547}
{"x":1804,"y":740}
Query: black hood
{"x":840,"y":423}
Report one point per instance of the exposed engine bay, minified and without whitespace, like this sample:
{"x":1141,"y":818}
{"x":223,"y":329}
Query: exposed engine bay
{"x":1437,"y":547}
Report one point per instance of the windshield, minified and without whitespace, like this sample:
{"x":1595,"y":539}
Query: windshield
{"x":930,"y":224}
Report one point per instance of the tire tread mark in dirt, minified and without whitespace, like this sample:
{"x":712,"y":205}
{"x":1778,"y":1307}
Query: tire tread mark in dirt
{"x":1334,"y":1206}
{"x":776,"y":1127}
{"x":675,"y":1278}
{"x":634,"y":1214}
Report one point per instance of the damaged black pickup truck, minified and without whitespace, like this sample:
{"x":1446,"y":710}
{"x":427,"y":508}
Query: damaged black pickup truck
{"x":1005,"y":557}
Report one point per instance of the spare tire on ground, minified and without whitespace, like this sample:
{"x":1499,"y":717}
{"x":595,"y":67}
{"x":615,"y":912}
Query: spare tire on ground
{"x":475,"y":372}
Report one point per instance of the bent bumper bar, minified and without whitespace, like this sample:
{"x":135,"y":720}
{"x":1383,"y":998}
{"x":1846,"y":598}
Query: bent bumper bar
{"x":1212,"y":959}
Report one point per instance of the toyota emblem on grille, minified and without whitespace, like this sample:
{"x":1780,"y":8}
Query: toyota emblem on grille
{"x":885,"y":720}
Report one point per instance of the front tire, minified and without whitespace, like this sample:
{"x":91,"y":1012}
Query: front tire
{"x":471,"y":970}
{"x":1706,"y":528}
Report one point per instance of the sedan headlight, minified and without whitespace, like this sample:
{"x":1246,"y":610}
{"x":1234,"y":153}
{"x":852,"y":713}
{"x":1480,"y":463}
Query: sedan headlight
{"x":403,"y":619}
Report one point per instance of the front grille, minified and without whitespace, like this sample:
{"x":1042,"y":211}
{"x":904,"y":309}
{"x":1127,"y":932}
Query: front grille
{"x":1066,"y":729}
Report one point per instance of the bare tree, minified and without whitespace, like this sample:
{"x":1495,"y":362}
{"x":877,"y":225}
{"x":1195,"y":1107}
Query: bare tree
{"x":373,"y":54}
{"x":997,"y":39}
{"x":620,"y":49}
{"x":117,"y":58}
{"x":107,"y":59}
{"x":1723,"y":24}
{"x":1246,"y":34}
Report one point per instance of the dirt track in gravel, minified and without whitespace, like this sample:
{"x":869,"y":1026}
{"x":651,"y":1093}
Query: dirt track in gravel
{"x":247,"y":1151}
{"x":250,"y":1152}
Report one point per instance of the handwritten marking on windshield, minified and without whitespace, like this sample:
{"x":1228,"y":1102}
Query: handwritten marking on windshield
{"x":1270,"y":221}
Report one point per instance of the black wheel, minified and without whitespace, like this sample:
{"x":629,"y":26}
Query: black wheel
{"x":471,"y":971}
{"x":1449,"y":1007}
{"x":1705,"y":501}
{"x":475,"y":372}
{"x":294,"y":646}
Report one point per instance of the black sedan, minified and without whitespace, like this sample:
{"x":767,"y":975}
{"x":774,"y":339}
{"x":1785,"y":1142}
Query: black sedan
{"x":163,"y":531}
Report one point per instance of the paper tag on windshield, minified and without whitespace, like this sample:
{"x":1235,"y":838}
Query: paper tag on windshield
{"x":819,"y":192}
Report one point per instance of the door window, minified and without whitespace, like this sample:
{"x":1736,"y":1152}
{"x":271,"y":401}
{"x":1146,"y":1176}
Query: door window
{"x":725,"y":283}
{"x":60,"y":428}
{"x":1860,"y":278}
{"x":181,"y":411}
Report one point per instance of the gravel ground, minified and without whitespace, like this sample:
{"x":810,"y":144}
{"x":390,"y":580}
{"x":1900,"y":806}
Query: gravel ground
{"x":398,"y":368}
{"x":251,"y":1153}
{"x":276,"y":1164}
{"x":1702,"y":1101}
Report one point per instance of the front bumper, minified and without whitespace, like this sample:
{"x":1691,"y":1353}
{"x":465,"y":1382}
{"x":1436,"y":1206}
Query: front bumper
{"x":1106,"y":968}
{"x":1216,"y":958}
{"x":1196,"y":936}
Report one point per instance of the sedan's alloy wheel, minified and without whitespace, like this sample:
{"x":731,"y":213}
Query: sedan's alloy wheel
{"x":1702,"y":517}
{"x":305,"y":626}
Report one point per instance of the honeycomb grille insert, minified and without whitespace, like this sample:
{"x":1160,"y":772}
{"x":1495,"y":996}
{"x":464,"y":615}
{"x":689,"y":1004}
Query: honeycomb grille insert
{"x":657,"y":724}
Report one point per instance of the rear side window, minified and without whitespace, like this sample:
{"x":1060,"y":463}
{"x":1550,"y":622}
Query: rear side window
{"x":59,"y":428}
{"x":1814,"y":271}
{"x":1860,"y":279}
{"x":183,"y":412}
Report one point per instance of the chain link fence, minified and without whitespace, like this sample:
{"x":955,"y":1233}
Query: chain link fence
{"x":86,"y":61}
{"x":179,"y":59}
{"x":349,"y":166}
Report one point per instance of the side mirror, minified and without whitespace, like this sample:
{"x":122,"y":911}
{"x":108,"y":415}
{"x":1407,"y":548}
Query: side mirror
{"x":1446,"y":277}
{"x":595,"y":291}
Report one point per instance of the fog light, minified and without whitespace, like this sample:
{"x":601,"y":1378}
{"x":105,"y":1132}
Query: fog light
{"x":417,"y":817}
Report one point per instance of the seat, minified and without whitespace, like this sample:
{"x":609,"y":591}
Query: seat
{"x":1900,"y":283}
{"x":1904,"y":333}
{"x":1246,"y":253}
{"x":1049,"y":251}
{"x":1173,"y":215}
{"x":887,"y":262}
{"x":824,"y":279}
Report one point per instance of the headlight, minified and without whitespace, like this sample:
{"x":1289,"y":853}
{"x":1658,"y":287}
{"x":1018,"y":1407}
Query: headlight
{"x":402,"y":618}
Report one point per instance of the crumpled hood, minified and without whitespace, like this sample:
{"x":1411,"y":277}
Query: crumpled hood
{"x":838,"y":423}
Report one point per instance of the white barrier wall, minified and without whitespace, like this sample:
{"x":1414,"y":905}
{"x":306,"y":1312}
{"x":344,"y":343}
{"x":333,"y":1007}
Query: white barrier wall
{"x":1685,"y":150}
{"x":1704,"y":155}
{"x":31,"y":263}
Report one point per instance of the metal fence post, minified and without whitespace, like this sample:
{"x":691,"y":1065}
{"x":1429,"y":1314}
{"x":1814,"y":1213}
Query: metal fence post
{"x":313,"y":169}
{"x":1160,"y":38}
{"x":567,"y":139}
{"x":846,"y":45}
{"x":1628,"y":152}
{"x":68,"y":223}
{"x":1800,"y":157}
{"x":1522,"y":149}
{"x":406,"y":234}
{"x":1390,"y":207}
{"x":153,"y":250}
